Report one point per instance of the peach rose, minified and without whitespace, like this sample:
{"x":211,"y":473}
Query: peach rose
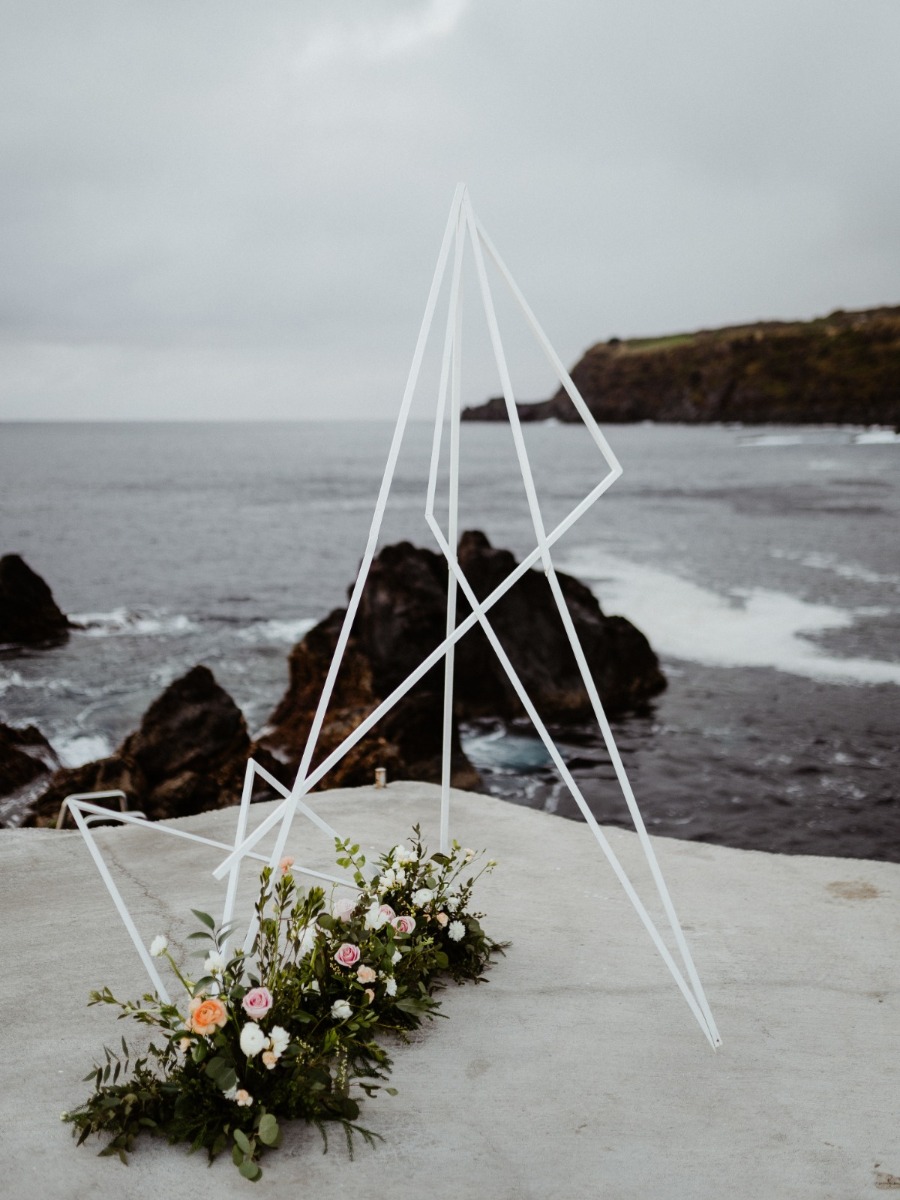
{"x":370,"y":995}
{"x":442,"y":919}
{"x":346,"y":955}
{"x":270,"y":1058}
{"x":366,"y":975}
{"x":207,"y":1014}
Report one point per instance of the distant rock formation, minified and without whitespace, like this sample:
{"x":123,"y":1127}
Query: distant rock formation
{"x":188,"y":756}
{"x":29,"y":616}
{"x":401,"y":619}
{"x":840,"y":369}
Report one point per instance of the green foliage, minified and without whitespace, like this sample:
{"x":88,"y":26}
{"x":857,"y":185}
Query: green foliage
{"x":289,"y":1031}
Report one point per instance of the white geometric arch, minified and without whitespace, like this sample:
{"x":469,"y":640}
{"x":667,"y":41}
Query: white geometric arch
{"x":462,"y":231}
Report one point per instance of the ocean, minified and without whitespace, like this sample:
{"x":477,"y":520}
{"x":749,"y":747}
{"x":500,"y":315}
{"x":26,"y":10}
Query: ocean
{"x":761,"y":563}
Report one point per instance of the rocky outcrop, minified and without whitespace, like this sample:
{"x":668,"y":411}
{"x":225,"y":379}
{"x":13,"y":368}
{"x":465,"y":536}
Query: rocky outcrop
{"x":188,"y":755}
{"x":401,"y":619}
{"x":29,"y":616}
{"x":25,"y":754}
{"x":844,"y":368}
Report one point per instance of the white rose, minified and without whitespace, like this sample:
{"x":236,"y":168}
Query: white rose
{"x":456,"y":931}
{"x":159,"y":945}
{"x":214,"y":963}
{"x":253,"y":1040}
{"x":341,"y":1010}
{"x":375,"y":918}
{"x":279,"y":1040}
{"x":390,"y":986}
{"x":422,"y":897}
{"x":341,"y":909}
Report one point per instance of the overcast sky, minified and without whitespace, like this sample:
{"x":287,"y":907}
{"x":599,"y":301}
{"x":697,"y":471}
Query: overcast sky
{"x":217,"y":208}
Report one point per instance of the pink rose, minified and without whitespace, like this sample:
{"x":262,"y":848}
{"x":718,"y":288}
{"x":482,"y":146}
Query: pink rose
{"x":387,"y":911}
{"x":404,"y":924}
{"x":366,"y":975}
{"x":346,"y":955}
{"x":257,"y":1003}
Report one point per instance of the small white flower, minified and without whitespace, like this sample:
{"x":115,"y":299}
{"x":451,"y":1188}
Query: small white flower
{"x":242,"y":1098}
{"x":314,"y":986}
{"x":214,"y":963}
{"x":422,"y":897}
{"x":468,"y":854}
{"x":401,"y":855}
{"x":253,"y":1040}
{"x":400,"y":876}
{"x":492,"y":862}
{"x":231,"y":1092}
{"x":395,"y":957}
{"x":390,"y":986}
{"x":279,"y":1040}
{"x":159,"y":945}
{"x":375,"y":918}
{"x":387,"y":880}
{"x":341,"y":1010}
{"x":456,"y":931}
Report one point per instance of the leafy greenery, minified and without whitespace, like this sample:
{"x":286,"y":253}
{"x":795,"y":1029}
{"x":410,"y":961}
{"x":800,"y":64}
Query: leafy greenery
{"x":291,"y":1030}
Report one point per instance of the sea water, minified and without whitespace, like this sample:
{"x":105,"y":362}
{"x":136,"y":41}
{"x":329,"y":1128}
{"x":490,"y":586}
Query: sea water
{"x":761,"y":563}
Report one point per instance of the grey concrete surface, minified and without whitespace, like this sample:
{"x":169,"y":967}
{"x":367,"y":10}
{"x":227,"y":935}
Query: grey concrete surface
{"x":577,"y":1072}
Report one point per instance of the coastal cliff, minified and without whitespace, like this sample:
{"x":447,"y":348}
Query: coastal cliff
{"x":839,"y":369}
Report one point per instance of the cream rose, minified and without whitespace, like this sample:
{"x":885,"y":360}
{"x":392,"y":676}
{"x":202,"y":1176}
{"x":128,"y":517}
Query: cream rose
{"x":366,"y":975}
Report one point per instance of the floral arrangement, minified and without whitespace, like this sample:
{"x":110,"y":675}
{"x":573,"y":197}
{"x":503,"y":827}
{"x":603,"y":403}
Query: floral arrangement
{"x":285,"y":1032}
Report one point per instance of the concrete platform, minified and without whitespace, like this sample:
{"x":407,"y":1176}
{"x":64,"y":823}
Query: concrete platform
{"x":578,"y":1072}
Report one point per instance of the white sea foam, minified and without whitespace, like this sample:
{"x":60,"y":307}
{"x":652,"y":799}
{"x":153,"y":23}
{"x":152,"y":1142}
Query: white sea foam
{"x":288,"y":632}
{"x":128,"y":622}
{"x":757,"y":628}
{"x":827,"y":562}
{"x":80,"y":749}
{"x":877,"y":437}
{"x":10,"y":679}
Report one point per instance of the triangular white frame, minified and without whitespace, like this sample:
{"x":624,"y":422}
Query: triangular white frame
{"x":462,"y":229}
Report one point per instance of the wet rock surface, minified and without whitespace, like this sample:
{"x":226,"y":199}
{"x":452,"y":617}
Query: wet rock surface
{"x":401,"y":620}
{"x":188,"y":756}
{"x":29,"y":616}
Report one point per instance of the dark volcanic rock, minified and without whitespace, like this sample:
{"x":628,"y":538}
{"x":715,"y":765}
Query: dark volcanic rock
{"x":406,"y":742}
{"x":401,"y":620}
{"x":29,"y":615}
{"x":843,"y":368}
{"x":24,"y":755}
{"x":188,"y":756}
